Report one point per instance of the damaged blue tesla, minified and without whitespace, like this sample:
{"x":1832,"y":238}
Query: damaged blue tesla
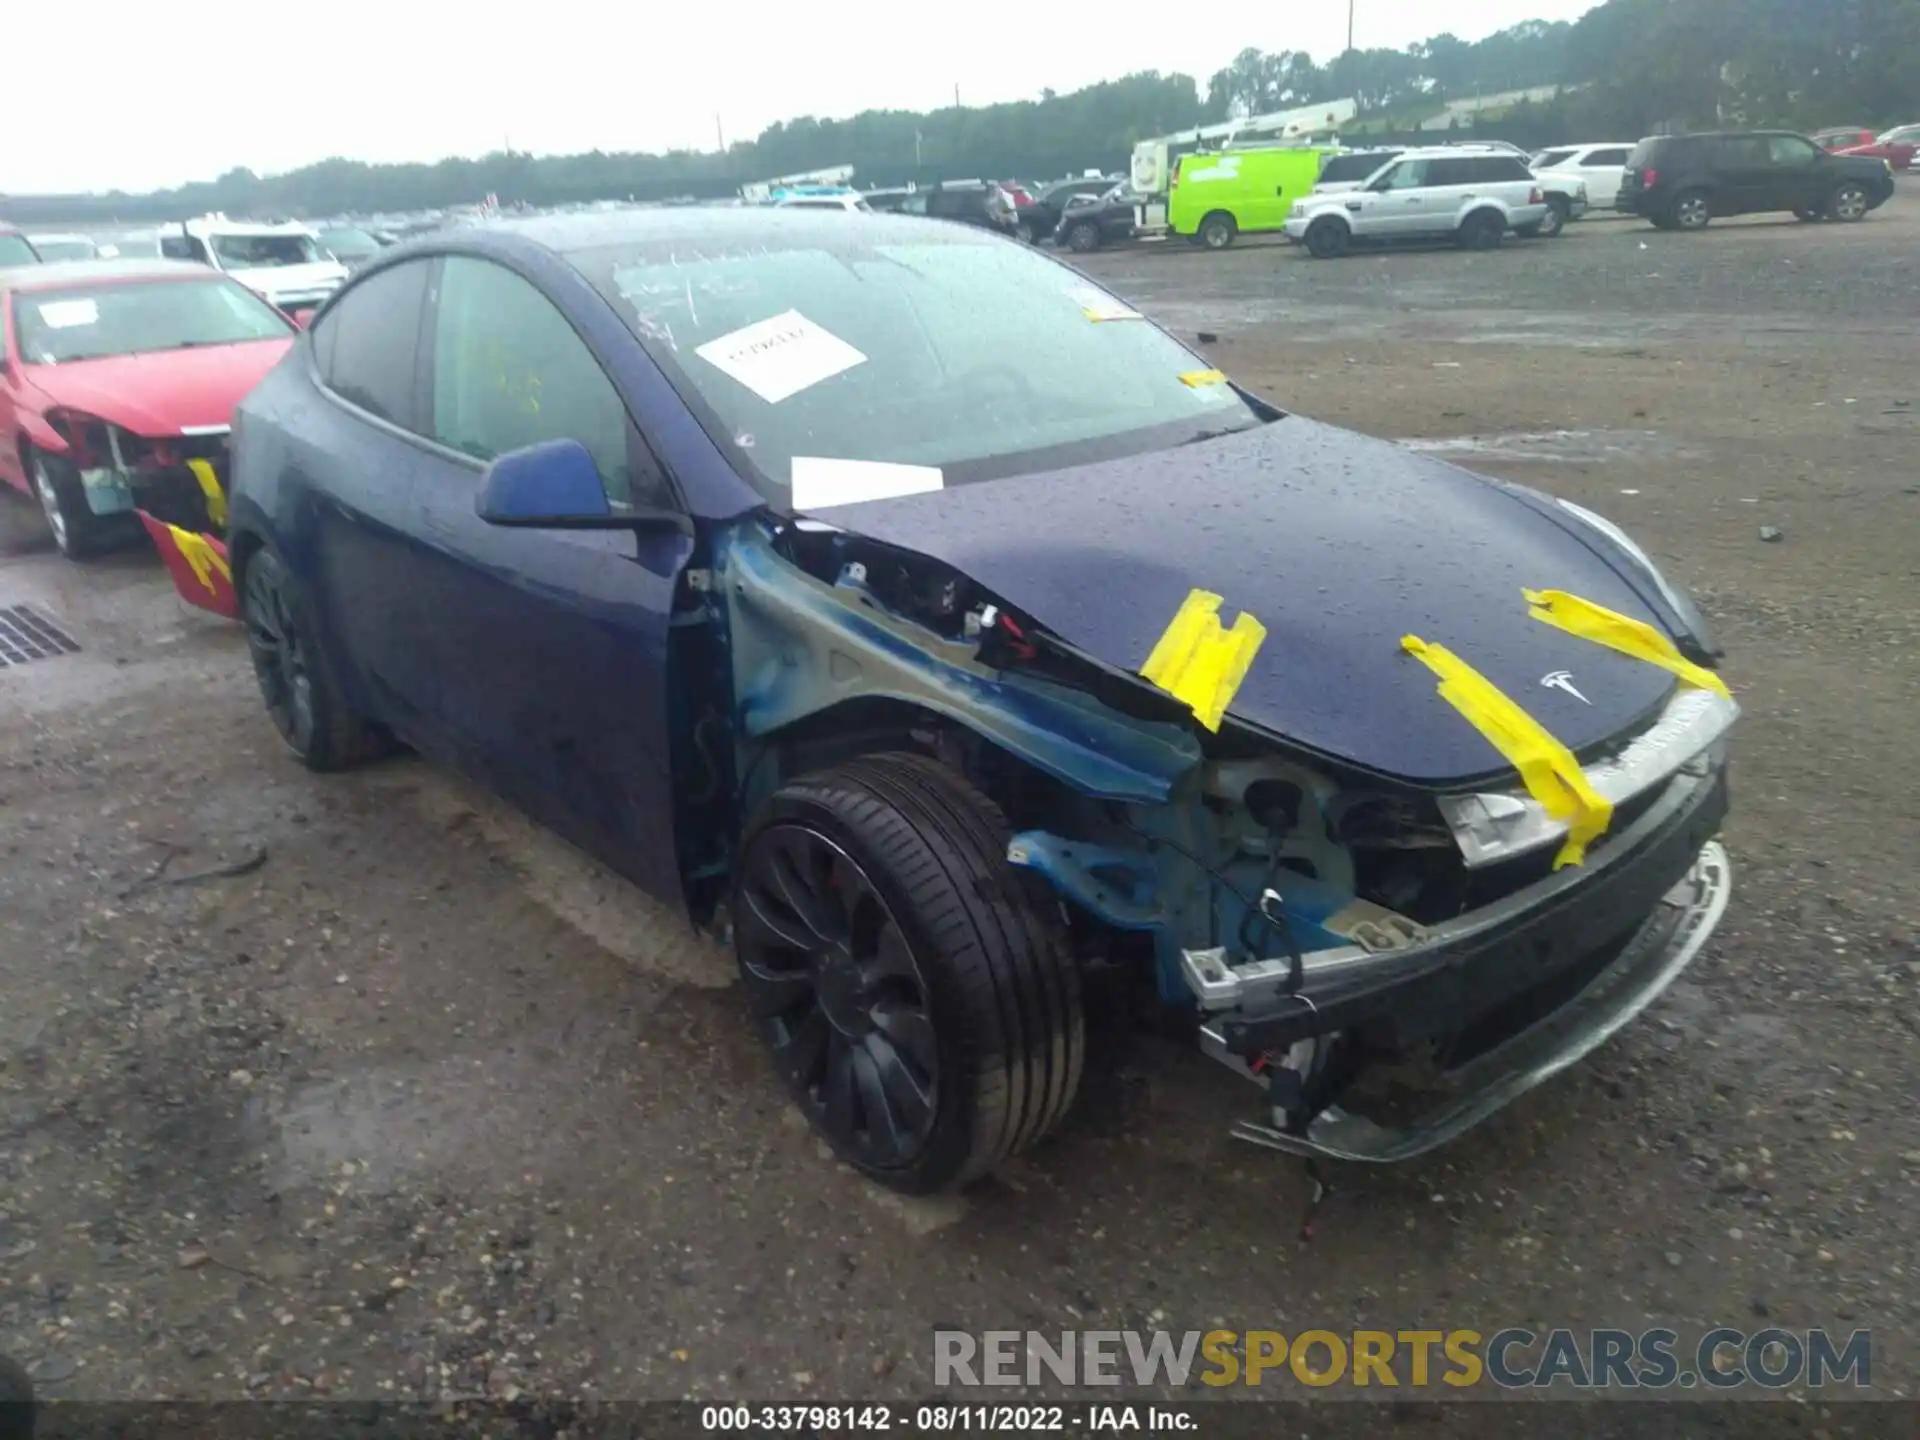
{"x":938,"y":671}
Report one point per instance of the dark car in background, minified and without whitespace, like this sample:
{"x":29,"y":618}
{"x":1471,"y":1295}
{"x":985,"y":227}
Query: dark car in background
{"x":738,"y":545}
{"x":1091,"y":221}
{"x":970,"y":202}
{"x":1683,"y":182}
{"x":1042,"y":218}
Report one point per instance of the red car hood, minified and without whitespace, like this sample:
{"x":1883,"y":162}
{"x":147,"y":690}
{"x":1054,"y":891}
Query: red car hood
{"x":164,"y":392}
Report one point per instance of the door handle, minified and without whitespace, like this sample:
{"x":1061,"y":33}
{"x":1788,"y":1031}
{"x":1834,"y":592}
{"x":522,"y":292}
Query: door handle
{"x":1280,"y":190}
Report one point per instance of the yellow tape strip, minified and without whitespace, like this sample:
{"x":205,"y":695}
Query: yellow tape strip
{"x":1197,"y":378}
{"x":1620,"y":632}
{"x":201,"y":558}
{"x":1201,"y":663}
{"x":210,"y":487}
{"x":1551,"y":773}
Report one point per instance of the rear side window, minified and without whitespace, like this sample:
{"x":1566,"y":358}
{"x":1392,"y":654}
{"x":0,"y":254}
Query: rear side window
{"x":1451,"y":172}
{"x":1500,"y":167}
{"x":1616,"y":156}
{"x":1547,"y":159}
{"x":1646,"y":155}
{"x":369,"y":340}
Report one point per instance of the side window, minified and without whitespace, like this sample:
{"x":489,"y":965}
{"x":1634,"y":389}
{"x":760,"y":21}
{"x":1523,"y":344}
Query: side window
{"x":1450,"y":172}
{"x":1504,"y":167}
{"x":1606,"y":157}
{"x":184,"y":247}
{"x":509,"y":371}
{"x":1407,"y":175}
{"x":914,"y":204}
{"x":1745,"y":152}
{"x":1790,"y":150}
{"x":370,"y":338}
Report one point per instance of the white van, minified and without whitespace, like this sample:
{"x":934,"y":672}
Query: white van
{"x":284,"y":264}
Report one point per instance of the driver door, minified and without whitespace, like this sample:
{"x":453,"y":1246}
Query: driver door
{"x":1396,"y":203}
{"x":1795,"y":175}
{"x":550,"y":658}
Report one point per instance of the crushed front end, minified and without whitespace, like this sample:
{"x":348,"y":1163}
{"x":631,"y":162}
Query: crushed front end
{"x":1391,"y":962}
{"x":177,"y":487}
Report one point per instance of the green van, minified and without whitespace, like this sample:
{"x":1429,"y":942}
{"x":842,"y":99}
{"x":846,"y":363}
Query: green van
{"x":1216,"y":195}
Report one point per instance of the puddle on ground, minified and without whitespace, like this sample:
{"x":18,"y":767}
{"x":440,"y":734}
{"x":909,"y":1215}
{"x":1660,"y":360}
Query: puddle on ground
{"x":1565,"y":447}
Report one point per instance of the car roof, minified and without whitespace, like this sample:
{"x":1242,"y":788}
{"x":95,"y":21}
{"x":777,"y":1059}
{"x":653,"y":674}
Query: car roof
{"x":56,"y":273}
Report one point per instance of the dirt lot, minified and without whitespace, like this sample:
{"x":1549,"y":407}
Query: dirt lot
{"x":421,"y":1104}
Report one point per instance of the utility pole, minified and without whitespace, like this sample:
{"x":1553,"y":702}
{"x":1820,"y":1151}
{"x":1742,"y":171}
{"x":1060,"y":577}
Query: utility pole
{"x":956,"y":94}
{"x":1350,"y":5}
{"x":719,"y":135}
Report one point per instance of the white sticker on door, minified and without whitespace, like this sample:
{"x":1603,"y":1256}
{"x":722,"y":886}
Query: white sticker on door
{"x":819,"y":483}
{"x":780,"y":357}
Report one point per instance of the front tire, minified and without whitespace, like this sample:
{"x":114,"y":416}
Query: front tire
{"x":1217,"y":231}
{"x":1082,"y":239}
{"x":923,"y":1012}
{"x":1554,"y":223}
{"x":78,"y":533}
{"x":1328,"y":239}
{"x":1849,"y":203}
{"x":297,"y":683}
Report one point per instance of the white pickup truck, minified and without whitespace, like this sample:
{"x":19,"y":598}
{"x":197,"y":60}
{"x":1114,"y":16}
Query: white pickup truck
{"x":283,"y":264}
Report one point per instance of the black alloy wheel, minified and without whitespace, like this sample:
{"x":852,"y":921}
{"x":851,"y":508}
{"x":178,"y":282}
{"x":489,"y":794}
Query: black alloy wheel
{"x":296,"y":682}
{"x":840,"y":996}
{"x":921,"y":1006}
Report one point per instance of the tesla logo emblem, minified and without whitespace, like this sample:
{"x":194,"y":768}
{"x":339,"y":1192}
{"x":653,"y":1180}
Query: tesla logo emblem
{"x":1563,"y":680}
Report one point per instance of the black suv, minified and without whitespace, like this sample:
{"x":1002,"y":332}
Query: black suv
{"x":971,"y":202}
{"x":1680,"y":182}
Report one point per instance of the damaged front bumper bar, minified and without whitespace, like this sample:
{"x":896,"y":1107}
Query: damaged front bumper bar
{"x":1542,"y":978}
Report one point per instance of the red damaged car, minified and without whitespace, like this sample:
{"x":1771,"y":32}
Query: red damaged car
{"x":118,"y":380}
{"x":1897,"y":147}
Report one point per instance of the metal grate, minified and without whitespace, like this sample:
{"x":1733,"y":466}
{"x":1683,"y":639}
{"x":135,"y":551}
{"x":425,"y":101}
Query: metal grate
{"x":27,"y":635}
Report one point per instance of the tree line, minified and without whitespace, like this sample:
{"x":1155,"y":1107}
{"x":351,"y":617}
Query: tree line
{"x":1625,"y":69}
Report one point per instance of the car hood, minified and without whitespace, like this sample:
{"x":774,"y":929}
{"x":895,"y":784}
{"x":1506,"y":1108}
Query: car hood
{"x":272,"y":280}
{"x":1340,"y":545}
{"x":162,"y":392}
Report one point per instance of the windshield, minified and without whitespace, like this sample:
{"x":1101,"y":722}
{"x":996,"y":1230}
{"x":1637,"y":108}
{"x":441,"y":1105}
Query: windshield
{"x":131,"y":318}
{"x":65,"y":248}
{"x":1547,"y":159}
{"x":260,"y":252}
{"x":349,"y":244}
{"x":898,"y":351}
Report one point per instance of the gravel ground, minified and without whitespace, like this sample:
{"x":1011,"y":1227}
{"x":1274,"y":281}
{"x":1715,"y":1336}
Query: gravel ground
{"x":364,"y":1087}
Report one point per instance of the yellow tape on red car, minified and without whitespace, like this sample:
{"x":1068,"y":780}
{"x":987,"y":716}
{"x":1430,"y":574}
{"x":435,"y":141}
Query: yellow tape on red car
{"x":202,"y":558}
{"x":1620,"y":632}
{"x":1200,"y":662}
{"x":1549,"y":770}
{"x":210,"y":487}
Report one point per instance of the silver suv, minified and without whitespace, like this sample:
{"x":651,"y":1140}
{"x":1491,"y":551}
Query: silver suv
{"x":1471,"y":198}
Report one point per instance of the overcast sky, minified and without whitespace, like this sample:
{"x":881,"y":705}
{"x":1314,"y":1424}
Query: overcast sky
{"x":154,"y":95}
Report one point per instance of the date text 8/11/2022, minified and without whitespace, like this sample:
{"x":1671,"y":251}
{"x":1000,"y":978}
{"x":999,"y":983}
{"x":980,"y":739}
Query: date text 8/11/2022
{"x":946,"y":1419}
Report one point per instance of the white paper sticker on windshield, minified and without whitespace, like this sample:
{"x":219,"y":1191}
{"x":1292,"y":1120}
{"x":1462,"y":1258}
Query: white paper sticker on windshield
{"x":819,"y":483}
{"x":68,"y":314}
{"x":1097,"y":305}
{"x":780,"y":357}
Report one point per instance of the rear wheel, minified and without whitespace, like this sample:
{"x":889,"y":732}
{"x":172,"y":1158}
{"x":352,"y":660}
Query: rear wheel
{"x":923,"y":1013}
{"x":1083,"y":238}
{"x":1691,"y":210}
{"x":1482,"y":230}
{"x":1554,"y":223}
{"x":1218,"y":230}
{"x":296,"y":681}
{"x":1328,"y":239}
{"x":77,"y":531}
{"x":1850,"y":202}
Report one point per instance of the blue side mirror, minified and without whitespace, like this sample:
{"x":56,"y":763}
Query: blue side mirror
{"x":554,"y":485}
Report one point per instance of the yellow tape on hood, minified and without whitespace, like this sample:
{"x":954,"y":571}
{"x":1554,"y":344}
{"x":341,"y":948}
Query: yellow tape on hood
{"x":1549,"y":770}
{"x":1620,"y":632}
{"x":1200,"y":662}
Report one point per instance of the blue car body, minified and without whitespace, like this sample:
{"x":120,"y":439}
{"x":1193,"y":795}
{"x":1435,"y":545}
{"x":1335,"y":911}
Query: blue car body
{"x":642,"y":685}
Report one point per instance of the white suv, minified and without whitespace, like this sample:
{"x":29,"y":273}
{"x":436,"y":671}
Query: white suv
{"x":1472,"y":198}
